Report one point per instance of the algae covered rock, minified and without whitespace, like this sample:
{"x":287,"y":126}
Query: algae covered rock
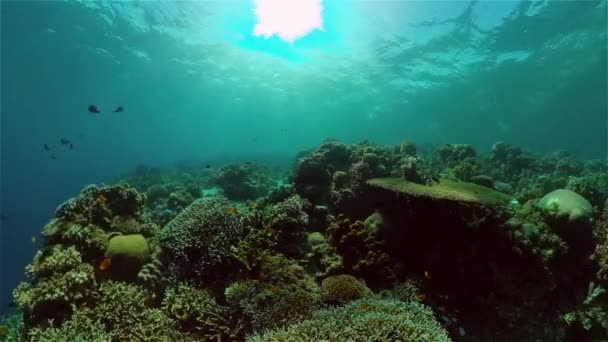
{"x":567,"y":205}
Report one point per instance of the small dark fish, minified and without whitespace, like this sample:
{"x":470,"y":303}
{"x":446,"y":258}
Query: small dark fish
{"x":64,"y":141}
{"x":94,"y":109}
{"x":47,"y":147}
{"x":119,"y":109}
{"x":3,"y":217}
{"x":435,"y":179}
{"x":53,"y":157}
{"x":71,"y":146}
{"x":207,"y":166}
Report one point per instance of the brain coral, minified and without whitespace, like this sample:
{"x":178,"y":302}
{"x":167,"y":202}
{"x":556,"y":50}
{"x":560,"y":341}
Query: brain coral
{"x":342,"y":289}
{"x":200,"y":237}
{"x":567,"y":203}
{"x":364,"y":320}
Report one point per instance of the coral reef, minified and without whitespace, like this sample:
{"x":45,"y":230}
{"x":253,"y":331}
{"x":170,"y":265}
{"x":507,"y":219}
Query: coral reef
{"x":365,"y":319}
{"x":362,"y":254}
{"x":244,"y":181}
{"x":506,"y":245}
{"x":200,"y":238}
{"x":59,"y":279}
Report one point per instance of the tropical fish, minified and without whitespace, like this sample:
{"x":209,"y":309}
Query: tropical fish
{"x":232,"y":210}
{"x":94,"y":109}
{"x":119,"y":109}
{"x":421,"y":296}
{"x":3,"y":330}
{"x":105,"y":264}
{"x":103,"y":198}
{"x":427,"y":275}
{"x":33,"y":240}
{"x":253,"y":205}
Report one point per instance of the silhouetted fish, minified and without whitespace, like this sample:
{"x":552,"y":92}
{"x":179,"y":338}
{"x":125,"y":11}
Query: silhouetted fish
{"x":207,"y":166}
{"x":71,"y":146}
{"x":119,"y":109}
{"x":53,"y":157}
{"x":3,"y":217}
{"x":64,"y":141}
{"x":47,"y":147}
{"x":94,"y":109}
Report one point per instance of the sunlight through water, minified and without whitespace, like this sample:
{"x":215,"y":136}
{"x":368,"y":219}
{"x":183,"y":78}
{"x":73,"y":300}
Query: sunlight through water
{"x":288,"y":19}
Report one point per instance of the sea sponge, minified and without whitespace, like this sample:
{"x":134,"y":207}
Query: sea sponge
{"x":364,"y":320}
{"x":200,"y":238}
{"x":568,"y":207}
{"x":342,"y":289}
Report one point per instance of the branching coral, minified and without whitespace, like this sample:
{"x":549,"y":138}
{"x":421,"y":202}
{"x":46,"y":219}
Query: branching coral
{"x":200,"y":238}
{"x":197,"y":312}
{"x":280,"y":291}
{"x":362,"y":254}
{"x":288,"y":219}
{"x":364,"y":320}
{"x":78,"y":328}
{"x":59,"y":280}
{"x":592,"y":313}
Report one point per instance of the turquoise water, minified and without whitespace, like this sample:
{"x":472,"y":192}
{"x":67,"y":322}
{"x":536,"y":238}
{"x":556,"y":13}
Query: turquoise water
{"x":197,"y":84}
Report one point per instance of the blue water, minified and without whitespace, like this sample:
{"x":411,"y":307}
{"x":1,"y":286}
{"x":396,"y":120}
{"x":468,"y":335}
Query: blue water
{"x":196,"y":84}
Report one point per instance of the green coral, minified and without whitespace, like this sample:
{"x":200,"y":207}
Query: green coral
{"x":197,"y":312}
{"x":59,"y":280}
{"x":592,"y":313}
{"x":79,"y":328}
{"x":127,"y":314}
{"x":406,"y":292}
{"x":278,"y":292}
{"x":200,"y":238}
{"x":364,"y":320}
{"x":342,"y":289}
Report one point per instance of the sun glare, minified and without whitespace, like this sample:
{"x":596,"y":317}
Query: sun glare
{"x":288,"y":19}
